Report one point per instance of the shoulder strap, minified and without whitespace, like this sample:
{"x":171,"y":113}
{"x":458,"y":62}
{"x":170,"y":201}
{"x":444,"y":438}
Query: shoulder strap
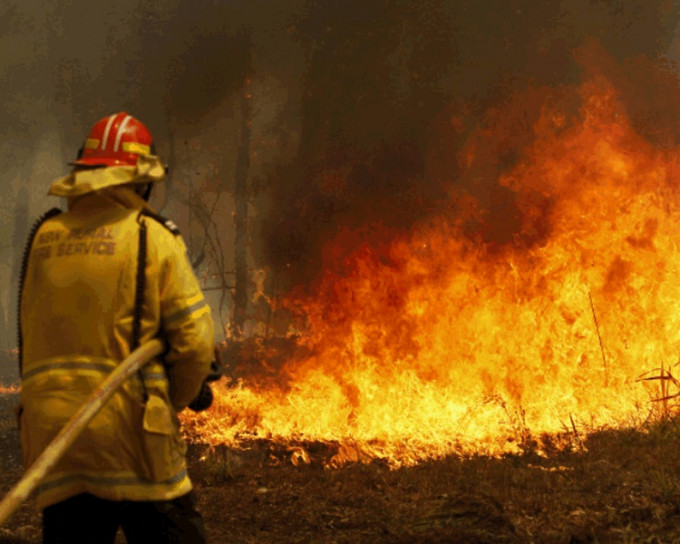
{"x":140,"y":285}
{"x":167,"y":223}
{"x":22,"y":277}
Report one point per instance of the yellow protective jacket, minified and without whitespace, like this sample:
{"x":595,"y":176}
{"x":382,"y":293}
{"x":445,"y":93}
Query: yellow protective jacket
{"x":77,"y":305}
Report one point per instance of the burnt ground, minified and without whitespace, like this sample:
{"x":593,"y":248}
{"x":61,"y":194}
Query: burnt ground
{"x":616,"y":486}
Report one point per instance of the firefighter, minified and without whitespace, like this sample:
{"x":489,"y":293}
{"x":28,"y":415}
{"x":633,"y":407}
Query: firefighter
{"x":98,"y":281}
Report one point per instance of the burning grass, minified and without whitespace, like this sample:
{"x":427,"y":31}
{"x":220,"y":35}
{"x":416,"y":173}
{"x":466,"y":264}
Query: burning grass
{"x":608,"y":486}
{"x":579,"y":485}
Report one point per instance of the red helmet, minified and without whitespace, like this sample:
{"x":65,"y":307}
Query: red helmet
{"x":116,"y":140}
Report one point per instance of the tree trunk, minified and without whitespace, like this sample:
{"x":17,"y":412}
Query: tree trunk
{"x":241,"y":213}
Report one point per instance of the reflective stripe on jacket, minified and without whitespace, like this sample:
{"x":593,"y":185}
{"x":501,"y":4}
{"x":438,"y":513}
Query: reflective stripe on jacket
{"x":76,"y":322}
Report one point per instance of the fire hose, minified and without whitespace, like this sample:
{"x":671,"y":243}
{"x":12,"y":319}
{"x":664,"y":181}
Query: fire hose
{"x":56,"y":449}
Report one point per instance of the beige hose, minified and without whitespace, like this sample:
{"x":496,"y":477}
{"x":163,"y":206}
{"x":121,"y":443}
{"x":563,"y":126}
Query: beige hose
{"x":43,"y":464}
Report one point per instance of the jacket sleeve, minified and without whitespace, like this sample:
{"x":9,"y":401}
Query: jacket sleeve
{"x":186,"y":322}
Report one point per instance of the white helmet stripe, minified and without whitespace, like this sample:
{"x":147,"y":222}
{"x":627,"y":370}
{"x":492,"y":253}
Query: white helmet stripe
{"x":121,"y":130}
{"x":107,"y":129}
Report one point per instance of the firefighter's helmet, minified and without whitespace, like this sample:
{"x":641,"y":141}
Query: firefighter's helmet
{"x":115,"y":140}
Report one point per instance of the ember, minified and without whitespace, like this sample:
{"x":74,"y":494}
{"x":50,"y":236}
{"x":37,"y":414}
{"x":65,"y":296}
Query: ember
{"x":448,"y":343}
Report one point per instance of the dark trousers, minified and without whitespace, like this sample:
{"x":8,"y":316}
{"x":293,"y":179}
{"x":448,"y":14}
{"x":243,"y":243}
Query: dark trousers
{"x":86,"y":519}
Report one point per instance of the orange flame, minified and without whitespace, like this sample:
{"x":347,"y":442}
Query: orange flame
{"x":443,"y":344}
{"x":9,"y":389}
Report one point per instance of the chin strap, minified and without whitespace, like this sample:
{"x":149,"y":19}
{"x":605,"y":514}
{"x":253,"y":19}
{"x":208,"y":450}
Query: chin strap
{"x":146,"y":194}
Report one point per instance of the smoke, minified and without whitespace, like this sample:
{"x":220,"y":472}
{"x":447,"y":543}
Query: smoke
{"x":394,"y":91}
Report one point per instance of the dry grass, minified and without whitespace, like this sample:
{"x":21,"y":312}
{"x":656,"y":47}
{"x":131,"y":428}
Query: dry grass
{"x":621,"y":486}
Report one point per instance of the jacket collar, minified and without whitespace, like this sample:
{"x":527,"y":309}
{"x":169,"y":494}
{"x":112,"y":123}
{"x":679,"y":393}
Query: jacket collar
{"x":123,"y":196}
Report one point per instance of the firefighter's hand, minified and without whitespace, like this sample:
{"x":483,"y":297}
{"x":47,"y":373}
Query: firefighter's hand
{"x":203,"y":400}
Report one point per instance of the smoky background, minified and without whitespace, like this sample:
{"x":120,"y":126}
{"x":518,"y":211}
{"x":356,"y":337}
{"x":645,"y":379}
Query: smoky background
{"x":284,"y":123}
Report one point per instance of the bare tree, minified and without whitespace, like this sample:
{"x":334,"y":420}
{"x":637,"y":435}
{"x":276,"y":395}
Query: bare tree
{"x":209,"y":252}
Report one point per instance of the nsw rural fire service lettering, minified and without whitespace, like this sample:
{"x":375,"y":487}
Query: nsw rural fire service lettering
{"x":97,"y":247}
{"x":76,"y":242}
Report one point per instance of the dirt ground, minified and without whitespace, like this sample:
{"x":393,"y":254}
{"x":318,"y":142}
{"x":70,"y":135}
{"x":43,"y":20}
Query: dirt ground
{"x":617,"y":486}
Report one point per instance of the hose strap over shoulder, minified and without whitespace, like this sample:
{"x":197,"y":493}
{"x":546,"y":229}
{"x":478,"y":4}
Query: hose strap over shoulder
{"x":22,"y":277}
{"x":140,"y":285}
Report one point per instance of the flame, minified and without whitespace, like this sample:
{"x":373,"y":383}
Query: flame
{"x":441,"y":343}
{"x":9,"y":389}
